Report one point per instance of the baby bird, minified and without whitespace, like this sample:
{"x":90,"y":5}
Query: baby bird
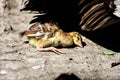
{"x":38,"y":29}
{"x":55,"y":37}
{"x":46,"y":27}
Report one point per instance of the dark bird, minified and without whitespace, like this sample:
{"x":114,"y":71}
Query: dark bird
{"x":98,"y":14}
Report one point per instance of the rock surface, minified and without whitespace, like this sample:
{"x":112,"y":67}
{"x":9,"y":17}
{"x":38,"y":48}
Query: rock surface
{"x":19,"y":61}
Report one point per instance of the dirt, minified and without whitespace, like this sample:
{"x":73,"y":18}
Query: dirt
{"x":20,"y":61}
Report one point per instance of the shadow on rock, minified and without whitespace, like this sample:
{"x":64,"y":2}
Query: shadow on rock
{"x":107,"y":37}
{"x":67,"y":77}
{"x":57,"y":11}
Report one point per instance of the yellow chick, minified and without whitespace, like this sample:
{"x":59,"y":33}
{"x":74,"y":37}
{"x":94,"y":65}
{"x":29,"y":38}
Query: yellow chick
{"x":55,"y":37}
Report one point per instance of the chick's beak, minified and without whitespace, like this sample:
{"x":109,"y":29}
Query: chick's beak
{"x":80,"y":45}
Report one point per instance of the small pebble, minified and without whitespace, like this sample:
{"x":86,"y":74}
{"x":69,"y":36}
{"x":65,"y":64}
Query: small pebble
{"x":31,"y":60}
{"x":36,"y":67}
{"x":3,"y":71}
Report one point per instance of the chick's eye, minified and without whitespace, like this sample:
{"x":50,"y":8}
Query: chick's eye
{"x":78,"y":37}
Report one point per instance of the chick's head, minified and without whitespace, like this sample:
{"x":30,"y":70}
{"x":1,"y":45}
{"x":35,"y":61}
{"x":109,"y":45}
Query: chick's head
{"x":77,"y":38}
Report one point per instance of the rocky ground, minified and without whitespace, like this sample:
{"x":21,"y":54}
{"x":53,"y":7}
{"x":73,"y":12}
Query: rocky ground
{"x":19,"y":61}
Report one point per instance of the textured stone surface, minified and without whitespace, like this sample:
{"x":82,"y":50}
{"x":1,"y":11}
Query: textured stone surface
{"x":19,"y":61}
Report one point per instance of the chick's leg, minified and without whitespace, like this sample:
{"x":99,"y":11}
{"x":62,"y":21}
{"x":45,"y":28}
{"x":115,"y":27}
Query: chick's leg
{"x":55,"y":50}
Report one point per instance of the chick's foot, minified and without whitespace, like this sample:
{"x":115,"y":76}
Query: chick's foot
{"x":55,"y":50}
